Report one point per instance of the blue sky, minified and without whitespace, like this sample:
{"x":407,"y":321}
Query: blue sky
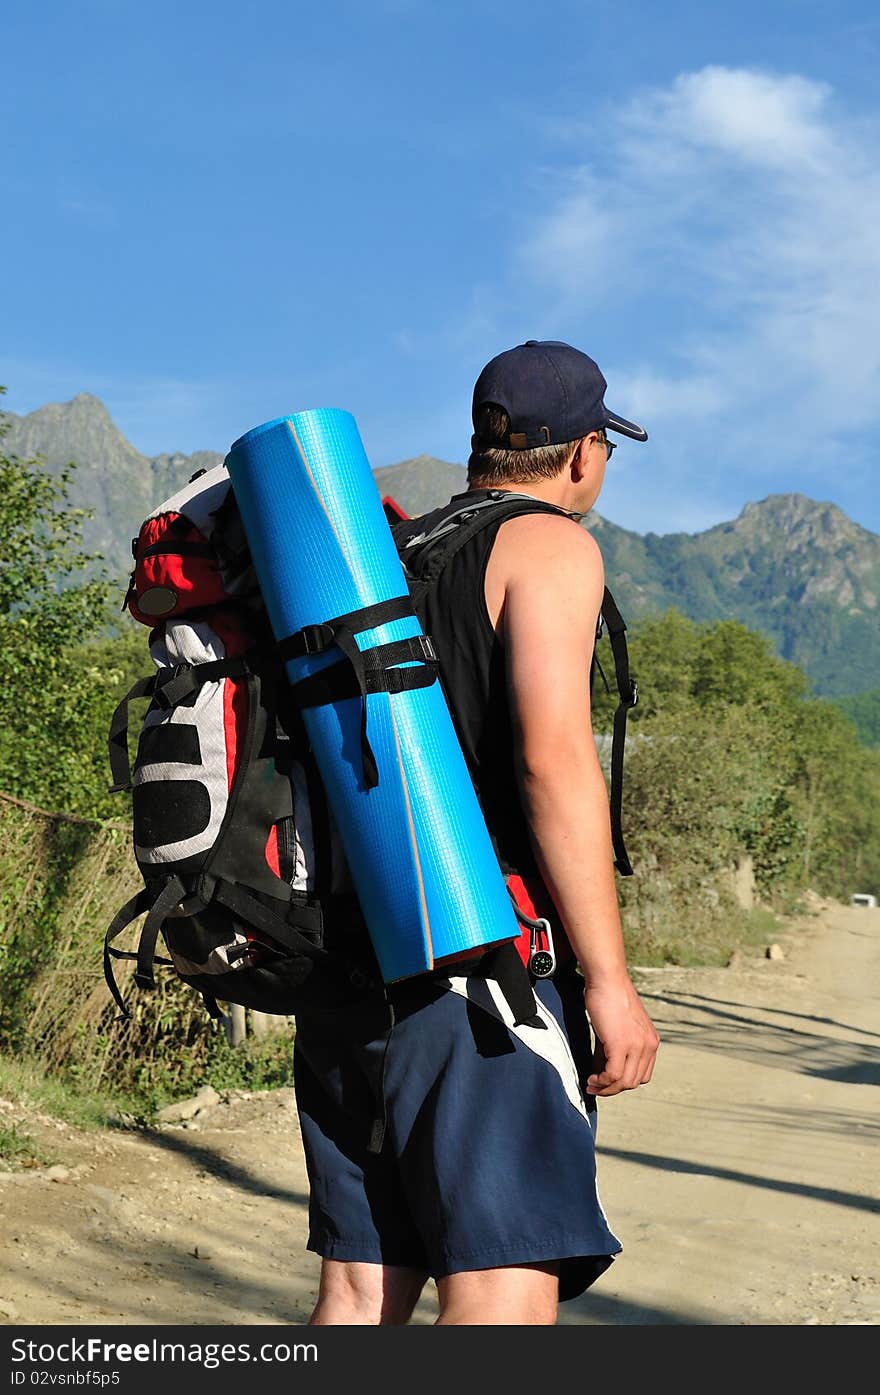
{"x":214,"y":214}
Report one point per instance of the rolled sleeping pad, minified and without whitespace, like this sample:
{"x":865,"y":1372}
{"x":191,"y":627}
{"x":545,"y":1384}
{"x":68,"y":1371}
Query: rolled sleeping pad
{"x":418,"y":849}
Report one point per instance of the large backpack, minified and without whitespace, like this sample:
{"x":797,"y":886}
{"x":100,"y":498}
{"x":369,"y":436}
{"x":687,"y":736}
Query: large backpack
{"x":244,"y":874}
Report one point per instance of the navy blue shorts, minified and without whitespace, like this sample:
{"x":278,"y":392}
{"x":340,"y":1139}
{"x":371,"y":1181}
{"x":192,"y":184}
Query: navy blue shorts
{"x":488,"y":1154}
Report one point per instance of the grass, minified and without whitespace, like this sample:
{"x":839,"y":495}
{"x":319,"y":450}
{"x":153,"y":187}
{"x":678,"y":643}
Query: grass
{"x":27,"y":1082}
{"x":175,"y":1073}
{"x":18,"y":1150}
{"x":706,"y":940}
{"x":150,"y":1082}
{"x":258,"y":1064}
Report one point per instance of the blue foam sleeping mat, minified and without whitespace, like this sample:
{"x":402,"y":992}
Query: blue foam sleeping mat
{"x":420,"y":856}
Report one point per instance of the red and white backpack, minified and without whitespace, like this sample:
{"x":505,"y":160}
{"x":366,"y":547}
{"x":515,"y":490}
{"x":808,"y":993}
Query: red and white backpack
{"x":241,"y":863}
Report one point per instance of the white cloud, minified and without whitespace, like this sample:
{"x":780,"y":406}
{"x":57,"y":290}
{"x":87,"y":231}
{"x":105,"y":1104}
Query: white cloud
{"x":764,"y":119}
{"x":581,"y":242}
{"x":735,"y":212}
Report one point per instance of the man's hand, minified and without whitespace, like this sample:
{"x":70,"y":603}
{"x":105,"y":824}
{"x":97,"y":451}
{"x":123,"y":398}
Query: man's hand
{"x":626,"y":1038}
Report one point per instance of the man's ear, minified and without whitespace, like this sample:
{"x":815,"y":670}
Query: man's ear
{"x":578,"y":465}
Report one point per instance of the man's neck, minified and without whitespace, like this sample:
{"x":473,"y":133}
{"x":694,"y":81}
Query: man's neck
{"x":548,"y":492}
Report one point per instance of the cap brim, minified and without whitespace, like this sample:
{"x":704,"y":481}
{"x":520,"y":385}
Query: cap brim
{"x":626,"y":428}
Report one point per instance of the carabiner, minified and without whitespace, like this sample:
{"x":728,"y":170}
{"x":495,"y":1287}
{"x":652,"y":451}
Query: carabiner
{"x":542,"y":962}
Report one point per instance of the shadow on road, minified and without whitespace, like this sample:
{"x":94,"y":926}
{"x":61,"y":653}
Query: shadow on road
{"x":751,"y":1038}
{"x":774,"y":1012}
{"x":834,"y":1195}
{"x":211,"y":1161}
{"x":160,"y":1281}
{"x":595,"y":1308}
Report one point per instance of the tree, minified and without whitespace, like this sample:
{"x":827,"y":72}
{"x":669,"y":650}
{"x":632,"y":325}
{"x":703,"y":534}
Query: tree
{"x":738,"y":665}
{"x":732,"y":754}
{"x":53,"y":598}
{"x":864,"y":710}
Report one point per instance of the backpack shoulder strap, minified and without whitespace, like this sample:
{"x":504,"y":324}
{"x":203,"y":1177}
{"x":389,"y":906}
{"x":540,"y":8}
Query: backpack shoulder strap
{"x":628,"y":695}
{"x":426,"y":555}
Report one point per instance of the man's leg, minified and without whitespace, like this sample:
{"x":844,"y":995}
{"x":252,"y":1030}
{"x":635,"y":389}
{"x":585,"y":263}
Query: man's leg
{"x":366,"y":1295}
{"x":517,"y":1295}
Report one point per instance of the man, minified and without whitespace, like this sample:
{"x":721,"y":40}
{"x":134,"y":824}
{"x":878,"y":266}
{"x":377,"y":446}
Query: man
{"x":482,"y":1173}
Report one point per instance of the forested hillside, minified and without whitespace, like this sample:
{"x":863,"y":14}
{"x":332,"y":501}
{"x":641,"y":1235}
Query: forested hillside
{"x":797,"y":570}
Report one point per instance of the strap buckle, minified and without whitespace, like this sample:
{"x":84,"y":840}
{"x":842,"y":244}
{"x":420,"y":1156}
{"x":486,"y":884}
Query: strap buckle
{"x":164,"y":681}
{"x":316,"y":638}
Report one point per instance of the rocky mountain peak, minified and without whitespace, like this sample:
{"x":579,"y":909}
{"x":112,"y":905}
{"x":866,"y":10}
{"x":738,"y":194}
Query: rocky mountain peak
{"x":85,"y":402}
{"x":798,"y":518}
{"x":81,"y":430}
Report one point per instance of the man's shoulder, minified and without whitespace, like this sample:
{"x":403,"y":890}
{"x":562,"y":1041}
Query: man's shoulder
{"x":556,"y":541}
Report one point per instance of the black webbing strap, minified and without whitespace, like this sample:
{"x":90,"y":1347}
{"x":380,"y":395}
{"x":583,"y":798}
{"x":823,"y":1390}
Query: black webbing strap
{"x":124,"y":916}
{"x":502,"y":962}
{"x":186,"y":678}
{"x":315,"y":639}
{"x":172,"y":893}
{"x":133,"y":908}
{"x":628,"y":694}
{"x":340,"y":632}
{"x":253,"y":912}
{"x":117,"y":742}
{"x":211,"y":1007}
{"x":345,"y":640}
{"x":338,"y":681}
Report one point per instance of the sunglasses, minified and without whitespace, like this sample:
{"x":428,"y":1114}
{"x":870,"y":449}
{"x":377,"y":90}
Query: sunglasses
{"x":610,"y":446}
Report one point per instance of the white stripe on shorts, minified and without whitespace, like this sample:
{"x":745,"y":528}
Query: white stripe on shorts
{"x":551,"y":1045}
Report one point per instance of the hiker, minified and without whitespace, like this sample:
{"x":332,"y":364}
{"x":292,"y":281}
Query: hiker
{"x":480,"y":1168}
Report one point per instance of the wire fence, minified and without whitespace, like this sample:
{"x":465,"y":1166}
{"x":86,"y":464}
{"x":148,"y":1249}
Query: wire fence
{"x":62,"y":879}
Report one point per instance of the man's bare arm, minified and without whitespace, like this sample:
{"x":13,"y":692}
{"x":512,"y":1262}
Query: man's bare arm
{"x":552,"y":578}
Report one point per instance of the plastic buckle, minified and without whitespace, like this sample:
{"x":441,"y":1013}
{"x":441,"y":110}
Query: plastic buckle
{"x":428,"y":650}
{"x":316,"y":638}
{"x":164,"y":681}
{"x":634,"y":695}
{"x":542,"y":962}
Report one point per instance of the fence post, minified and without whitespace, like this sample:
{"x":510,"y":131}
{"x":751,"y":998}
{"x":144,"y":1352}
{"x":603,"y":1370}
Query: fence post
{"x":234,"y":1024}
{"x":262,"y":1023}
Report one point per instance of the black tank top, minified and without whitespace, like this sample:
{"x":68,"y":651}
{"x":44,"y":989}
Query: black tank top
{"x":474,"y":681}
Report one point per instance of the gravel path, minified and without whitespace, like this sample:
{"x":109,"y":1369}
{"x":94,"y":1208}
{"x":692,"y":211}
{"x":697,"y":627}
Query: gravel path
{"x":742,"y":1182}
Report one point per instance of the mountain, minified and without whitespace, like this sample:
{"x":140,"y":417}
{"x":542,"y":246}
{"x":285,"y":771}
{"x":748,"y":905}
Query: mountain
{"x":799,"y":571}
{"x":422,"y":483}
{"x":112,"y":478}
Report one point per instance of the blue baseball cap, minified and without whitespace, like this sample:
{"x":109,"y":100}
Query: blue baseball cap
{"x":552,"y":394}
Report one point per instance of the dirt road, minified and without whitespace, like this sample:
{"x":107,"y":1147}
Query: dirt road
{"x":742,"y":1182}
